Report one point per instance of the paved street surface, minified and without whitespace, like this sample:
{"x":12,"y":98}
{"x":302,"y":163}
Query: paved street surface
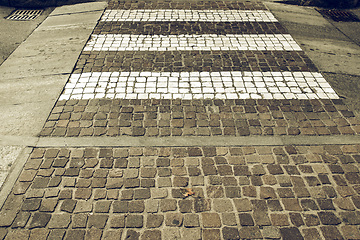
{"x":191,"y":120}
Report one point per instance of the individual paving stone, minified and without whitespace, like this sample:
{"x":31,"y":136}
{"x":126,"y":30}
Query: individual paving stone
{"x":249,"y":191}
{"x":113,"y":234}
{"x":134,"y":221}
{"x":79,"y":220}
{"x":211,"y":220}
{"x":142,"y":194}
{"x":279,"y":219}
{"x":211,"y":234}
{"x":148,"y":172}
{"x":230,"y":233}
{"x":274,"y":205}
{"x":93,"y":233}
{"x":325,"y":204}
{"x":173,"y":219}
{"x":250,"y":233}
{"x":120,"y":206}
{"x":7,"y":217}
{"x":246,"y":219}
{"x":267,"y":192}
{"x":75,"y":234}
{"x":328,"y":218}
{"x":291,"y":233}
{"x":114,"y":183}
{"x":39,"y":234}
{"x":21,"y":219}
{"x":56,"y":234}
{"x":102,"y":206}
{"x":261,"y":218}
{"x":151,"y":234}
{"x":350,"y":232}
{"x":131,"y":183}
{"x":83,"y":206}
{"x":271,"y":232}
{"x":32,"y":204}
{"x":18,"y":233}
{"x":186,"y":206}
{"x":191,"y":233}
{"x":39,"y":220}
{"x":48,"y":205}
{"x":311,"y":233}
{"x":97,"y":221}
{"x":291,"y":204}
{"x":68,"y":205}
{"x":296,"y":219}
{"x":60,"y":221}
{"x":222,"y":205}
{"x":191,"y":220}
{"x":331,"y":232}
{"x":311,"y":220}
{"x":136,"y":206}
{"x":154,"y":220}
{"x":352,"y":218}
{"x":168,"y":205}
{"x":229,"y":219}
{"x":171,"y":233}
{"x":215,"y":191}
{"x":344,"y":204}
{"x":309,"y":204}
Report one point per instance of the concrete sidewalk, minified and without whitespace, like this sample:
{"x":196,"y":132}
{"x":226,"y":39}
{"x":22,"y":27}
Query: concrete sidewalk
{"x":33,"y":77}
{"x":177,"y":169}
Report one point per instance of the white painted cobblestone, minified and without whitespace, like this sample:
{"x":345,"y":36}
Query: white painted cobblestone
{"x":198,"y":85}
{"x":155,"y":15}
{"x":206,"y":42}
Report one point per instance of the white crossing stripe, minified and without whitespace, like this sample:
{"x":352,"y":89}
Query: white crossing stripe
{"x":206,"y":42}
{"x":189,"y":15}
{"x":198,"y":85}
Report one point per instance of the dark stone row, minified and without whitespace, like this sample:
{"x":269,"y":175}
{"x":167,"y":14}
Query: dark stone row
{"x":188,"y":61}
{"x":193,"y":5}
{"x":157,"y":118}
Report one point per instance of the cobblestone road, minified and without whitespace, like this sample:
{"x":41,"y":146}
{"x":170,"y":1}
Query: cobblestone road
{"x":178,"y":69}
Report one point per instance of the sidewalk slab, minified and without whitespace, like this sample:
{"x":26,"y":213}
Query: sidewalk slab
{"x":328,"y":48}
{"x":25,"y":102}
{"x":31,"y":81}
{"x":79,"y":8}
{"x":35,"y":73}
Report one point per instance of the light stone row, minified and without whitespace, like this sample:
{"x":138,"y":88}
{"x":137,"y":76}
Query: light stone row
{"x":205,"y":42}
{"x":175,"y":15}
{"x":198,"y":85}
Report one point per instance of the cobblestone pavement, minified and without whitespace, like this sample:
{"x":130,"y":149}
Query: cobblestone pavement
{"x":293,"y":192}
{"x":195,"y":69}
{"x":204,"y":68}
{"x":101,"y":117}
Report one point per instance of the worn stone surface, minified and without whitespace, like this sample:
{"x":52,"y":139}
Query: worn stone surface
{"x":259,"y":209}
{"x":254,"y":192}
{"x":247,"y":117}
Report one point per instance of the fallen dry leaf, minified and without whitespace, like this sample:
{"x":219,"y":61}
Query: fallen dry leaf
{"x":187,"y":192}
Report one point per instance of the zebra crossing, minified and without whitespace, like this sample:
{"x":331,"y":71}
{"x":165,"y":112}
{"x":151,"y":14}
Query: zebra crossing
{"x":157,"y":68}
{"x":204,"y":84}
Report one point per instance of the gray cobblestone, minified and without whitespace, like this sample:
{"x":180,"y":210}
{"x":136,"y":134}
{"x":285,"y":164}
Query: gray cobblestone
{"x":290,"y":205}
